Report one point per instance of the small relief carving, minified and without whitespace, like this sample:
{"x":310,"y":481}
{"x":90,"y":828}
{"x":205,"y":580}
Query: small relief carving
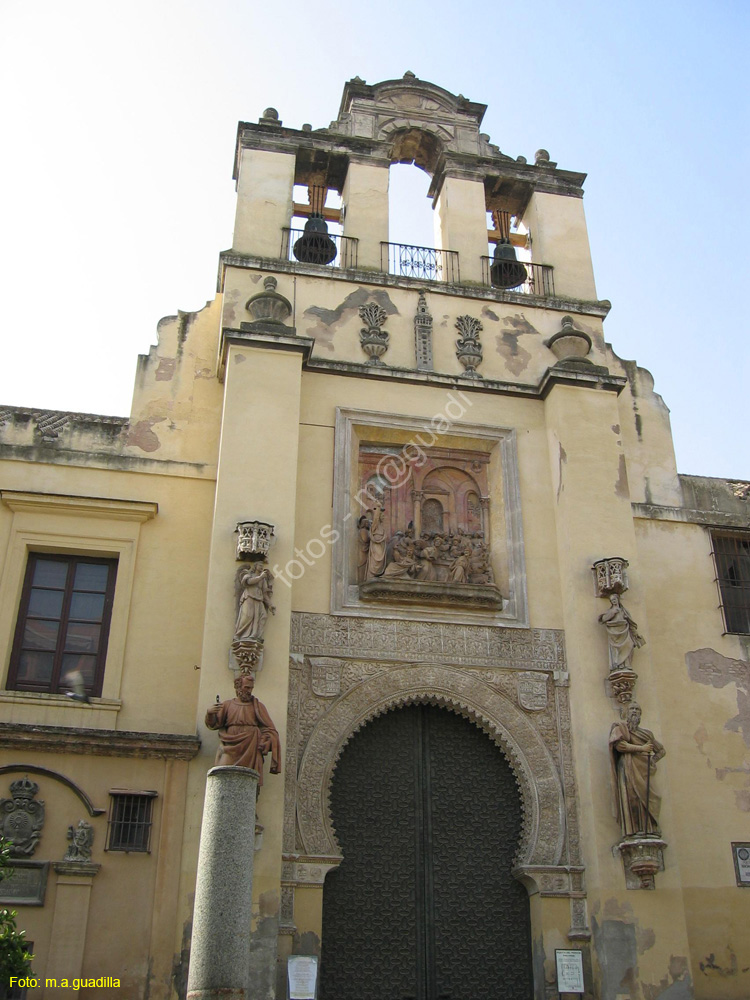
{"x":254,"y":588}
{"x":425,"y":533}
{"x":254,"y":539}
{"x":246,"y":731}
{"x":81,"y":842}
{"x":532,"y":691}
{"x":22,"y":818}
{"x":373,"y":338}
{"x":423,"y":335}
{"x":468,"y":348}
{"x":325,"y":676}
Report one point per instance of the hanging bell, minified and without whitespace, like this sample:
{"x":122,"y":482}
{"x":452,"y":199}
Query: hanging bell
{"x":506,"y":271}
{"x":315,"y":246}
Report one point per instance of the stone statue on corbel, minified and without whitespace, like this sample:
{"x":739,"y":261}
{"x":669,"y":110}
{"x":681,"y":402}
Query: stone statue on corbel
{"x":623,"y":638}
{"x":634,"y":753}
{"x":253,"y":593}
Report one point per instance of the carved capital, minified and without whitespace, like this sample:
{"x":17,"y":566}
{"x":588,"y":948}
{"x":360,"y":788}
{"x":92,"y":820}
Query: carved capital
{"x":254,"y":539}
{"x":610,"y":576}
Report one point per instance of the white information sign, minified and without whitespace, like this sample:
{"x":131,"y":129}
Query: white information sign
{"x":569,"y":963}
{"x":741,"y":854}
{"x":303,"y":974}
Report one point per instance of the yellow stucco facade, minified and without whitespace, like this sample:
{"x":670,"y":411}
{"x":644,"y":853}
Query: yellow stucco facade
{"x":265,"y":405}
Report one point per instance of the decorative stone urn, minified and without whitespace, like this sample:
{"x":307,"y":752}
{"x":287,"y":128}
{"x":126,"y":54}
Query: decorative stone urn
{"x":268,"y":306}
{"x":372,"y":337}
{"x":468,"y":348}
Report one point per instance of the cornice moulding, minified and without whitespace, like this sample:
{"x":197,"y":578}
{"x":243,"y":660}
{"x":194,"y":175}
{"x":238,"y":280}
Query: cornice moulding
{"x":57,"y":503}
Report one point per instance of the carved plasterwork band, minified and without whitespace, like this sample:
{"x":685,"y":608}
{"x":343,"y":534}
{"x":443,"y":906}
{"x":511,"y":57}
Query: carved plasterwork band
{"x":512,"y":684}
{"x":464,"y":693}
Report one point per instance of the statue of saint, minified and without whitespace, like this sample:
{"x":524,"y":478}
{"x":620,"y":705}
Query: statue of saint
{"x":378,"y":543}
{"x":622,"y":634}
{"x":633,"y":754}
{"x":246,"y":732}
{"x":363,"y":530}
{"x":255,"y":588}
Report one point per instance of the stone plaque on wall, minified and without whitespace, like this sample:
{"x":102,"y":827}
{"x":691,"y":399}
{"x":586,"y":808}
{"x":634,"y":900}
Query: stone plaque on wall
{"x":27,"y":884}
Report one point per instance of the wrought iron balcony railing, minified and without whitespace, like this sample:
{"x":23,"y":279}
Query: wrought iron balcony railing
{"x":419,"y":262}
{"x":539,"y":279}
{"x":345,"y":246}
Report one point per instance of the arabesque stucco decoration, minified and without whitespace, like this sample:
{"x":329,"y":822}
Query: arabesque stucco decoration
{"x":323,"y":717}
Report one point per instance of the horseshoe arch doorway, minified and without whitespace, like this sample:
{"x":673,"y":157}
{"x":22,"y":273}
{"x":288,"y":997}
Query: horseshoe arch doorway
{"x":424,"y":906}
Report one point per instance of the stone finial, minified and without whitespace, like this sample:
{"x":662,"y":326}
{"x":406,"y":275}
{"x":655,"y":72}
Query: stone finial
{"x":570,"y":345}
{"x":408,"y":75}
{"x":423,"y":335}
{"x":268,"y":306}
{"x":541,"y":156}
{"x":270,"y":117}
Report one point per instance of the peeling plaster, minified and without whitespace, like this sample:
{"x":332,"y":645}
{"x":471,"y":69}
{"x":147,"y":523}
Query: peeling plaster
{"x":165,"y":370}
{"x":706,"y":666}
{"x":681,"y":986}
{"x":710,"y":967}
{"x":616,"y":428}
{"x":231,"y":299}
{"x":239,"y":358}
{"x":489,"y":314}
{"x":562,"y":460}
{"x":621,"y":486}
{"x":181,"y":962}
{"x":516,"y":357}
{"x":141,"y":436}
{"x":616,"y":950}
{"x":329,"y":320}
{"x":264,"y":947}
{"x":519,"y":324}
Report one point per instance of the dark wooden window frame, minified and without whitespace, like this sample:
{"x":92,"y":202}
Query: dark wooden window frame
{"x":734,"y":591}
{"x":54,"y":684}
{"x":129,"y":830}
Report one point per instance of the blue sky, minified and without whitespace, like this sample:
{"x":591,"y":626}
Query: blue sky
{"x":119,"y":124}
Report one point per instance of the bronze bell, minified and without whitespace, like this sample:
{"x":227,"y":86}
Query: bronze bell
{"x":315,"y":246}
{"x":506,"y":271}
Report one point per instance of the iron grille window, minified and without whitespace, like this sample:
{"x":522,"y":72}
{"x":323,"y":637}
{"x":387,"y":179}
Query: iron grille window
{"x":129,"y":825}
{"x":61,"y":636}
{"x":732,"y":555}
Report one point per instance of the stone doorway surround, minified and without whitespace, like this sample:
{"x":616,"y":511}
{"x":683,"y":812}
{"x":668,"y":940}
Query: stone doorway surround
{"x":511,"y":683}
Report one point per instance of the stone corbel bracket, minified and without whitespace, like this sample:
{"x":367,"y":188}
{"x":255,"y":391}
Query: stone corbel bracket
{"x":642,"y":857}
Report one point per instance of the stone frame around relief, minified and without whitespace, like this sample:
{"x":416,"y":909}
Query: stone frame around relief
{"x":350,"y":430}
